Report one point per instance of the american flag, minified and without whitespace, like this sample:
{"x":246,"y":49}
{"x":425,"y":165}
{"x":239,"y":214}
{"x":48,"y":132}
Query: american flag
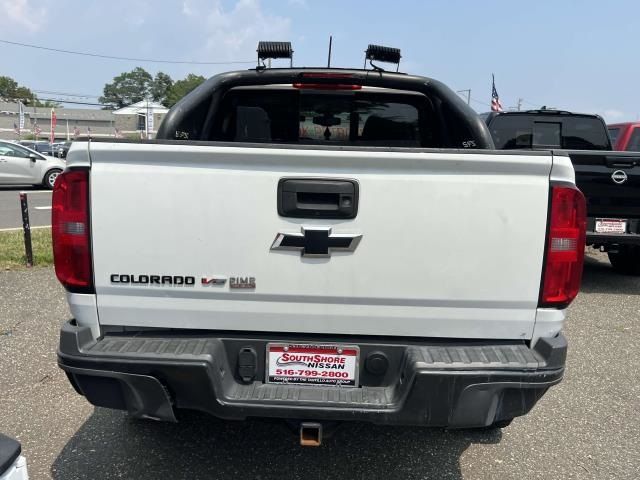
{"x":76,"y":131}
{"x":16,"y":128}
{"x":37,"y":130}
{"x":496,"y":106}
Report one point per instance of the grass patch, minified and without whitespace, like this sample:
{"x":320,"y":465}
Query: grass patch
{"x":12,"y":256}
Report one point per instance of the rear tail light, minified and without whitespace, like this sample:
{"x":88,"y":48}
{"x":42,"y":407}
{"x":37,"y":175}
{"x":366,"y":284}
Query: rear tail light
{"x":564,"y":255}
{"x":70,"y":231}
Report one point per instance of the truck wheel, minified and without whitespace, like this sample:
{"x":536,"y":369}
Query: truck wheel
{"x":626,"y":260}
{"x":50,"y":178}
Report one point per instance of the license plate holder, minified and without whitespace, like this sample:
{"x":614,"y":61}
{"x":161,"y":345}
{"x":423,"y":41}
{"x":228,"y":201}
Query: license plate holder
{"x":312,"y":364}
{"x":611,"y":225}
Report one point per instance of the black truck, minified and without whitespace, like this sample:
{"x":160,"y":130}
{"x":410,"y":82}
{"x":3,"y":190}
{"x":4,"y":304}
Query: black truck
{"x":609,"y":180}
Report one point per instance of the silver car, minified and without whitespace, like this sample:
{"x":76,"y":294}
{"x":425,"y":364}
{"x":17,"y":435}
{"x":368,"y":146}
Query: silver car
{"x":22,"y":166}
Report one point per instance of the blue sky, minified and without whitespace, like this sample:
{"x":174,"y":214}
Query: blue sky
{"x":575,"y":55}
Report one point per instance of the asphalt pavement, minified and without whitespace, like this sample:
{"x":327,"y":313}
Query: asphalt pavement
{"x":39,"y":201}
{"x":585,"y":428}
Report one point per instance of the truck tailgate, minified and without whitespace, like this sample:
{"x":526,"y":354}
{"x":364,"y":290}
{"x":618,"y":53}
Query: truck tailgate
{"x":610,"y":181}
{"x":452,"y":243}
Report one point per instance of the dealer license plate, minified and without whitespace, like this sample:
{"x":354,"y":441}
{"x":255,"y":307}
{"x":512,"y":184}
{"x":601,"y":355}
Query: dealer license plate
{"x":611,"y":225}
{"x":307,"y":364}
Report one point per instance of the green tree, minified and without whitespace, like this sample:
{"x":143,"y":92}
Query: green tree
{"x":127,"y":88}
{"x":181,"y":87}
{"x":160,"y":87}
{"x":10,"y":91}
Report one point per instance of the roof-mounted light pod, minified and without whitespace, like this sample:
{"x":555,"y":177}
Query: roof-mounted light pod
{"x":273,"y":50}
{"x":380,"y":53}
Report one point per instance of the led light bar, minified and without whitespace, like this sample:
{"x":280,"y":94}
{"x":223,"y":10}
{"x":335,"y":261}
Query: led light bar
{"x":274,"y":50}
{"x":381,"y":53}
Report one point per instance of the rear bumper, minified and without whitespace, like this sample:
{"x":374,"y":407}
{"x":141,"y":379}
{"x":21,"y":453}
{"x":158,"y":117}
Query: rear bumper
{"x":632,"y":237}
{"x":456,"y":385}
{"x":613,"y":239}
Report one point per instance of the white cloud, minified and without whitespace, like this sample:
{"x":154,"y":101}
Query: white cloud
{"x":233,"y":34}
{"x":23,"y":14}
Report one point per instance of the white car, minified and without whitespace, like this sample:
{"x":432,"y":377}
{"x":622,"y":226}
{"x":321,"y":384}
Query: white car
{"x":22,"y":166}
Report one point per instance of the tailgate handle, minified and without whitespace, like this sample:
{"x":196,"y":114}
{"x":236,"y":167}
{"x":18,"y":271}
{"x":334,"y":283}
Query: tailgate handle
{"x":317,"y":198}
{"x":621,"y":162}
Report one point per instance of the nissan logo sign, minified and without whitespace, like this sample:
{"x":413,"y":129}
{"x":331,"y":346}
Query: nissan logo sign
{"x":619,"y":176}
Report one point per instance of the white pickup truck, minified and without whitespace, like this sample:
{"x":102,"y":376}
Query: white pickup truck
{"x":317,"y":245}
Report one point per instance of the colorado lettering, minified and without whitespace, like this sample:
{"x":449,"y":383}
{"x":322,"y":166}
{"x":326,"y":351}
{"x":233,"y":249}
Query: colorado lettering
{"x":130,"y":279}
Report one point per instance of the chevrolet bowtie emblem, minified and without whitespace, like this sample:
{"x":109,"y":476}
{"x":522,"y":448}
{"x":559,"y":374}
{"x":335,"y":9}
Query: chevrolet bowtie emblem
{"x":316,"y":242}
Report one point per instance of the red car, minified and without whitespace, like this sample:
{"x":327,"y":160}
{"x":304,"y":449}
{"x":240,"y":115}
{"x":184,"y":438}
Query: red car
{"x":625,"y":136}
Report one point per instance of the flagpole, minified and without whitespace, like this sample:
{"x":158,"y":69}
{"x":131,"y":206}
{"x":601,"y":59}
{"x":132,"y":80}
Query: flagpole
{"x":146,"y":120}
{"x":20,"y":119}
{"x":67,"y":129}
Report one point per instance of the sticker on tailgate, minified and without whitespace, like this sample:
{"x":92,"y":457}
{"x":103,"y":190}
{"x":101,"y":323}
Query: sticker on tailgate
{"x":308,"y":364}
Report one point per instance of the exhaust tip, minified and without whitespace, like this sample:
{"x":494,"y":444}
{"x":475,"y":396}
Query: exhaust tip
{"x":310,"y":434}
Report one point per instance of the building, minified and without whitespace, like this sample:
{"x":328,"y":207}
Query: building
{"x":134,"y":117}
{"x":81,"y":123}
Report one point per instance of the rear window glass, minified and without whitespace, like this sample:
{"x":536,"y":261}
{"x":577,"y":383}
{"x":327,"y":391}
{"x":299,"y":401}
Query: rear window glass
{"x":634,"y":141}
{"x":613,"y":135}
{"x":326,"y":118}
{"x":547,"y":134}
{"x":531,"y":131}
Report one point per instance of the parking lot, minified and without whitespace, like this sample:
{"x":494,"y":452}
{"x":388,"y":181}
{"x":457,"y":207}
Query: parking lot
{"x":584,"y":428}
{"x":39,"y":206}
